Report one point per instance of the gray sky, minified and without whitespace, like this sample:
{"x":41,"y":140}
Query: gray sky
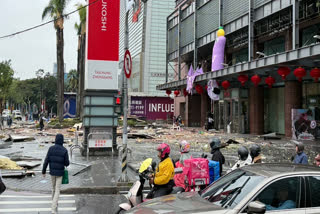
{"x":35,"y":49}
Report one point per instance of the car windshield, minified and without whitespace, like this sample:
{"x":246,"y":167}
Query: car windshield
{"x":228,"y":191}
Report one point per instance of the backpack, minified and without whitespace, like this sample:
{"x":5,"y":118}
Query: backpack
{"x":214,"y":170}
{"x":197,"y":171}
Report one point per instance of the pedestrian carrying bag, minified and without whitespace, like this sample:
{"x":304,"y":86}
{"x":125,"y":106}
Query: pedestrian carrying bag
{"x":2,"y":186}
{"x":65,"y":178}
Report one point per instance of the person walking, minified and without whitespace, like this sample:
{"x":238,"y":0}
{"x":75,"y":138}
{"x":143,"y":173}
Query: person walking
{"x":9,"y":121}
{"x":57,"y":158}
{"x":41,"y":123}
{"x":300,"y":157}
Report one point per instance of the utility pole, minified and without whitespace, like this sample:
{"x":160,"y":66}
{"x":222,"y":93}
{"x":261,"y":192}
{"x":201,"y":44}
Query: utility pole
{"x":124,"y":176}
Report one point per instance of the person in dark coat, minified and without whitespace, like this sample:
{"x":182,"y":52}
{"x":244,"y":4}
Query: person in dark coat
{"x":57,"y":158}
{"x":215,"y":145}
{"x":300,"y":157}
{"x":41,"y":123}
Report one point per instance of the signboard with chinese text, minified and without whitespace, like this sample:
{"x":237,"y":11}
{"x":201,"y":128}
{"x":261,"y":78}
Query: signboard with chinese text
{"x":100,"y":143}
{"x":102,"y":45}
{"x":152,"y":108}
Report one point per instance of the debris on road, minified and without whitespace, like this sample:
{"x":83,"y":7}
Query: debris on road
{"x":17,"y":138}
{"x":270,"y":136}
{"x":6,"y":163}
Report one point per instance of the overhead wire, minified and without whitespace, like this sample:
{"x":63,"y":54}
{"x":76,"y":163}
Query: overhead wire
{"x":48,"y":22}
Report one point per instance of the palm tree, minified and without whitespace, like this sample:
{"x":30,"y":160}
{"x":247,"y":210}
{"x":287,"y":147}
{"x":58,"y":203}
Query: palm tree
{"x":72,"y":80}
{"x":81,"y":31}
{"x":55,"y":9}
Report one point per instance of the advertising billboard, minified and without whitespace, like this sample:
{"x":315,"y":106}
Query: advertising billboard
{"x":152,"y":108}
{"x":102,"y":45}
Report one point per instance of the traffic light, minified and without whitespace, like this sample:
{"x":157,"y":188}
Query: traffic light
{"x":118,"y":101}
{"x":118,"y":106}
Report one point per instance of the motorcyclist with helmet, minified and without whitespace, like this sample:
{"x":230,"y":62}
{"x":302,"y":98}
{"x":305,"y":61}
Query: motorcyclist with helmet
{"x":162,"y":179}
{"x":215,"y":145}
{"x":243,"y":154}
{"x":179,"y":179}
{"x":255,"y":153}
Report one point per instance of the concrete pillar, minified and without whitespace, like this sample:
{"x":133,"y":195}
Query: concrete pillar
{"x":204,"y":108}
{"x":292,"y":100}
{"x":256,"y":99}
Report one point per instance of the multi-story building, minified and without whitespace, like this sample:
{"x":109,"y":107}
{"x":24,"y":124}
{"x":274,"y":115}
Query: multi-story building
{"x":147,"y":44}
{"x":261,"y":37}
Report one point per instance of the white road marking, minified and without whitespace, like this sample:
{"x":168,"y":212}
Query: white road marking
{"x":36,"y":209}
{"x":33,"y":196}
{"x":37,"y":202}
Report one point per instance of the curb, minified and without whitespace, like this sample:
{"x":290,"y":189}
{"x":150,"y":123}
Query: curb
{"x":102,"y":190}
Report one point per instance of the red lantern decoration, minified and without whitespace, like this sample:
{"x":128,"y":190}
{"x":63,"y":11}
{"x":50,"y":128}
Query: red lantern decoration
{"x":315,"y":73}
{"x":199,"y":89}
{"x":168,"y":92}
{"x":300,"y":73}
{"x":185,"y":93}
{"x":225,"y":84}
{"x":270,"y":81}
{"x":284,"y":72}
{"x":256,"y":80}
{"x":176,"y":92}
{"x":243,"y":79}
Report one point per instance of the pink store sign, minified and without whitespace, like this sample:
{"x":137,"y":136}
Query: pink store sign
{"x":152,"y":108}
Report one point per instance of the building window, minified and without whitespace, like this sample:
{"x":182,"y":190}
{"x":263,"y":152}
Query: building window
{"x":274,"y":46}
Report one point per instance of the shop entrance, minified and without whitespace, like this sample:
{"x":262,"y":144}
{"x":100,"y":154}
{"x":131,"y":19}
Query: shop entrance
{"x":232,"y":110}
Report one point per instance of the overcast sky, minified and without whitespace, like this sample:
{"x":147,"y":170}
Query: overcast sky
{"x":35,"y":49}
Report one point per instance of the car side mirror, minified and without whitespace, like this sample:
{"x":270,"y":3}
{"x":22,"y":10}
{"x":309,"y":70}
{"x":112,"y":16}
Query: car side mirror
{"x":256,"y":207}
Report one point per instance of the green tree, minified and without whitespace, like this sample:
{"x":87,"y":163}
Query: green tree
{"x":72,"y":80}
{"x":81,"y":31}
{"x":27,"y":92}
{"x":55,"y":9}
{"x":6,"y":78}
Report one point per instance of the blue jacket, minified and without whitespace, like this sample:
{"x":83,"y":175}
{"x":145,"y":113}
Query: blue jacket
{"x":57,"y":157}
{"x":301,"y":158}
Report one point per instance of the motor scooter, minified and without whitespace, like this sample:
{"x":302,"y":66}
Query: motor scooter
{"x":135,"y":195}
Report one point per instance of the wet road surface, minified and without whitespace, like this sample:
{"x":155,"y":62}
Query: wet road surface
{"x":26,"y":202}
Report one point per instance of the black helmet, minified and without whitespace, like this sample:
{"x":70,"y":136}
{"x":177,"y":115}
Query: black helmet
{"x":255,"y":150}
{"x":243,"y":153}
{"x":215,"y":143}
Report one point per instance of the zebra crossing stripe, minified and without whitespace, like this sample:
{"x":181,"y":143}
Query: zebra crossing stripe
{"x":37,"y":202}
{"x":34,"y":196}
{"x":23,"y":210}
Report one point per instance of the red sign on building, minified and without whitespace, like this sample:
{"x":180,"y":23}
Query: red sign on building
{"x":103,"y":20}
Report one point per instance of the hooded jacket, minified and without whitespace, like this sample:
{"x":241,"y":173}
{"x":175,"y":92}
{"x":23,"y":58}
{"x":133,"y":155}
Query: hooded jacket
{"x":218,"y":156}
{"x":57,"y":158}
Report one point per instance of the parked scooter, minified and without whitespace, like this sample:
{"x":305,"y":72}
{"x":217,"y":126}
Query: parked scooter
{"x":135,"y":195}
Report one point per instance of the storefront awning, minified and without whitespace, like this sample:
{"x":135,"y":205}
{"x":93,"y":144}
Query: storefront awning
{"x":308,"y":57}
